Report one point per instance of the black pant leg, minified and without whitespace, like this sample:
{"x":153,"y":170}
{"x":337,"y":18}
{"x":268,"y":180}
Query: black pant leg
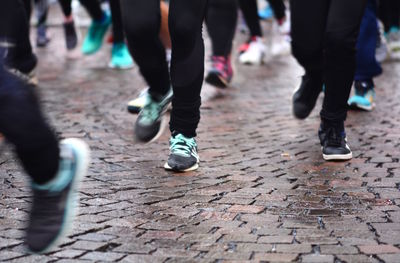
{"x":142,"y":22}
{"x":221,"y":22}
{"x":187,"y":65}
{"x":118,"y":32}
{"x":279,"y":8}
{"x":66,"y":7}
{"x":250,"y":13}
{"x":93,"y":8}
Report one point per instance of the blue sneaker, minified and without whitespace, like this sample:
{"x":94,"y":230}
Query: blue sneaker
{"x":364,"y":96}
{"x":183,"y":155}
{"x":120,"y":57}
{"x":266,"y":13}
{"x":95,"y":35}
{"x":54,"y":203}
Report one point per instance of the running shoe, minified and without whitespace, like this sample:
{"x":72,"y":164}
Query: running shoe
{"x":55,"y":203}
{"x":183,"y":155}
{"x":151,"y":122}
{"x":95,"y":35}
{"x":266,"y":13}
{"x":255,"y":53}
{"x":136,"y":105}
{"x":393,"y":39}
{"x":334,"y":144}
{"x":364,"y":96}
{"x":305,"y":97}
{"x":120,"y":57}
{"x":42,"y":40}
{"x":221,"y":73}
{"x":71,"y":37}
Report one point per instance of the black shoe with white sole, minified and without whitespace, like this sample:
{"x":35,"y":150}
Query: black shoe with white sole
{"x":334,"y":144}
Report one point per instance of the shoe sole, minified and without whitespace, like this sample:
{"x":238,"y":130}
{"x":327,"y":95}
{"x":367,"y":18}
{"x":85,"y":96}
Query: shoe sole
{"x":163,"y":125}
{"x":134,"y":109}
{"x":110,"y":65}
{"x":337,"y":157}
{"x":81,"y":149}
{"x":169,"y":168}
{"x":215,"y":80}
{"x":356,"y":106}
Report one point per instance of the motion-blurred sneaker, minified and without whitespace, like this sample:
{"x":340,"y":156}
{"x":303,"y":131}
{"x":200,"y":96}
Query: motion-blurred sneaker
{"x":183,"y":155}
{"x":95,"y":35}
{"x":151,"y":122}
{"x":136,"y":105}
{"x":266,"y":13}
{"x":42,"y":39}
{"x":305,"y":97}
{"x":120,"y":57}
{"x":221,"y":73}
{"x":71,"y":37}
{"x":54,"y":203}
{"x":364,"y":96}
{"x":255,"y":54}
{"x":393,"y":39}
{"x":334,"y":144}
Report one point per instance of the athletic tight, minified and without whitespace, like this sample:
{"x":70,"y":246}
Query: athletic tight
{"x":141,"y":21}
{"x":324,"y":36}
{"x":389,"y":13}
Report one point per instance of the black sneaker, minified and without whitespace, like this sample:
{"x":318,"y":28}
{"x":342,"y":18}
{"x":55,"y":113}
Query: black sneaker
{"x":305,"y":97}
{"x":151,"y":122}
{"x":54,"y":203}
{"x":183,"y":155}
{"x":334,"y":144}
{"x":71,"y":38}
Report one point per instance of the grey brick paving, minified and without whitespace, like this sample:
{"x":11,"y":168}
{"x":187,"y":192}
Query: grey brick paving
{"x":262,"y":193}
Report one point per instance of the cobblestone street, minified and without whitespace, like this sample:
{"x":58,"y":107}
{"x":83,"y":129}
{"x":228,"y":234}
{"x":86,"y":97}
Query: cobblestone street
{"x":262,"y":193}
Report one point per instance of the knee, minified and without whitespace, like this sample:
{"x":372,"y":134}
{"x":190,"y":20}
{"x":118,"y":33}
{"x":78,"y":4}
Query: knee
{"x":140,"y":25}
{"x":341,"y":43}
{"x":183,"y":28}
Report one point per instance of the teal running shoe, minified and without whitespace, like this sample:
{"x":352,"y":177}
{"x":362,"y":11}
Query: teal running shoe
{"x":183,"y":155}
{"x":266,"y":13}
{"x":120,"y":57}
{"x":136,"y":105}
{"x":94,"y":38}
{"x":364,"y":96}
{"x":151,"y":123}
{"x":54,"y":203}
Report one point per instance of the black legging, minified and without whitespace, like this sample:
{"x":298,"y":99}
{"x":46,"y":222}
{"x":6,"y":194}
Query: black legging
{"x":250,"y":14}
{"x":14,"y":35}
{"x":141,"y":21}
{"x":118,"y":32}
{"x":221,"y":19}
{"x":92,"y":6}
{"x":22,"y":124}
{"x":389,"y":12}
{"x":324,"y":37}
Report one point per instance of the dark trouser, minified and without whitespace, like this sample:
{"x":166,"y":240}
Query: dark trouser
{"x":324,"y":37}
{"x":250,"y":13}
{"x":221,"y":19}
{"x":41,"y":11}
{"x":367,"y":66}
{"x":142,"y":21}
{"x":118,"y":31}
{"x":92,"y":7}
{"x":14,"y":36}
{"x":22,"y":124}
{"x":279,"y":8}
{"x":390,"y":13}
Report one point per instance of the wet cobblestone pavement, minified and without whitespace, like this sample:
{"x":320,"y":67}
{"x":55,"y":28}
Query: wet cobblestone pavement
{"x":262,"y":193}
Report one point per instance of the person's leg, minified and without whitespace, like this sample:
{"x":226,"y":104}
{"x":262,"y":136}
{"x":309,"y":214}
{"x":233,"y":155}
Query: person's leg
{"x":308,"y":21}
{"x":120,"y":57}
{"x":221,"y":19}
{"x":93,"y":8}
{"x":41,"y":7}
{"x":367,"y":65}
{"x":15,"y":38}
{"x":142,"y":21}
{"x":66,"y":7}
{"x":187,"y":72}
{"x":279,"y":8}
{"x":250,"y":13}
{"x":342,"y":30}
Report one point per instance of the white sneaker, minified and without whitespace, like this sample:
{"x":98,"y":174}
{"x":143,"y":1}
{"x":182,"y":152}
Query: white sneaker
{"x":255,"y":54}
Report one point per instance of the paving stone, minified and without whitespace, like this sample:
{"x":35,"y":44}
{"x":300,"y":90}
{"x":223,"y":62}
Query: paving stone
{"x":317,"y":258}
{"x":379,"y":249}
{"x":102,"y":256}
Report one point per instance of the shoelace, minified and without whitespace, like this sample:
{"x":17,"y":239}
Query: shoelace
{"x":181,"y":145}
